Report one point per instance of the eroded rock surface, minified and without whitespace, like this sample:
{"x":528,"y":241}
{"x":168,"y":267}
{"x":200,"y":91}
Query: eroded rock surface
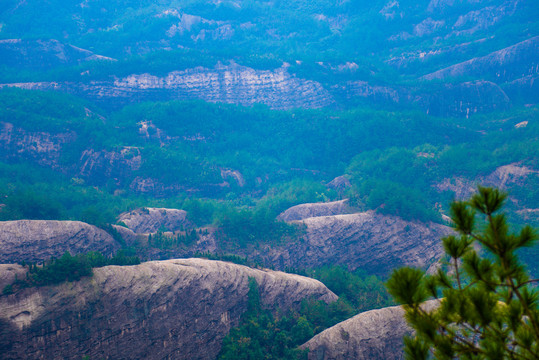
{"x":38,"y":240}
{"x":150,"y":220}
{"x":178,"y":309}
{"x":304,"y":211}
{"x":372,"y":335}
{"x":231,"y":83}
{"x":368,"y":240}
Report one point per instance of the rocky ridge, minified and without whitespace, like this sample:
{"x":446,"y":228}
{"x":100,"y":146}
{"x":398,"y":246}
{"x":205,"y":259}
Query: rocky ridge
{"x":304,"y":211}
{"x":150,"y":220}
{"x":366,"y":240}
{"x":224,"y":83}
{"x":178,"y":309}
{"x":38,"y":240}
{"x":372,"y":335}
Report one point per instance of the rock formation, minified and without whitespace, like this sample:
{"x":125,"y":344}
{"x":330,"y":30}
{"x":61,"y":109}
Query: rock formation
{"x":368,"y":240}
{"x":177,"y":309}
{"x":38,"y":240}
{"x":150,"y":220}
{"x":304,"y":211}
{"x":372,"y":335}
{"x":225,"y":83}
{"x":507,"y":64}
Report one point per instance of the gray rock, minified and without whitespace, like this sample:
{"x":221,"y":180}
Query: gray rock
{"x":304,"y":211}
{"x":9,"y":273}
{"x":150,"y":220}
{"x":178,"y":309}
{"x":374,"y":242}
{"x":38,"y":240}
{"x":224,"y":83}
{"x":372,"y":335}
{"x":507,"y":64}
{"x":340,"y":183}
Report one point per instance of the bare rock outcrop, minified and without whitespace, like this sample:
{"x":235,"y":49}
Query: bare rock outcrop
{"x":178,"y":309}
{"x":507,"y":64}
{"x":231,"y":83}
{"x":9,"y":273}
{"x":42,"y":147}
{"x":368,"y":240}
{"x":304,"y":211}
{"x":38,"y":240}
{"x":372,"y":335}
{"x":150,"y":220}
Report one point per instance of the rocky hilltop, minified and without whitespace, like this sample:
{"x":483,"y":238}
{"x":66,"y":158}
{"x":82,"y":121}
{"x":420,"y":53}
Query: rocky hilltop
{"x":372,"y":335}
{"x":231,"y":83}
{"x":304,"y":211}
{"x":368,"y":240}
{"x":150,"y":220}
{"x":177,"y":309}
{"x":38,"y":240}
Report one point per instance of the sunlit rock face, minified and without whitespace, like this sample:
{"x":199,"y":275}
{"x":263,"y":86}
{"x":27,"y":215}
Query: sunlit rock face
{"x":178,"y":309}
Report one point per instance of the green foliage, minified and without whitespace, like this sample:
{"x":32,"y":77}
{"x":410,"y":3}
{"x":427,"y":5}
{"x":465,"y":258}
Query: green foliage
{"x":488,"y":305}
{"x":70,"y":268}
{"x":274,"y":335}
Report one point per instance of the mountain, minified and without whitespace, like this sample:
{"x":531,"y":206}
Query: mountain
{"x":244,"y":52}
{"x":175,"y":308}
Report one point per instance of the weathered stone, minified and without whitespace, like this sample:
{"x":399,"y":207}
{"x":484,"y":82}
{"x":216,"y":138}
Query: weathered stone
{"x":150,"y":220}
{"x":374,"y":242}
{"x":304,"y":211}
{"x":372,"y":335}
{"x":177,"y":309}
{"x":38,"y":240}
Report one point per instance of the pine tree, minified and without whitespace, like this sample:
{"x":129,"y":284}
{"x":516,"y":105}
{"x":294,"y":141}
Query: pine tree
{"x":488,"y":305}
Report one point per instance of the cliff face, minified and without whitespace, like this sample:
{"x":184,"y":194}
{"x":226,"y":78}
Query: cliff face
{"x":42,"y":147}
{"x":371,"y":241}
{"x":177,"y":309}
{"x":230,"y":84}
{"x":372,"y":335}
{"x":150,"y":220}
{"x":38,"y":240}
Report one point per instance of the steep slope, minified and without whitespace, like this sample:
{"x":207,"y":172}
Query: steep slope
{"x":38,"y":240}
{"x":167,"y":309}
{"x":374,"y":242}
{"x":372,"y":335}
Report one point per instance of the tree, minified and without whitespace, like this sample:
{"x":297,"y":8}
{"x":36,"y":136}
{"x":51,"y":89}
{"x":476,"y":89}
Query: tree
{"x":488,"y":306}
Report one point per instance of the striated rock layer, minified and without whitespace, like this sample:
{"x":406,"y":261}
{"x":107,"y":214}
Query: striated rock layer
{"x":372,"y":335}
{"x":368,"y":240}
{"x":38,"y":240}
{"x":179,"y":309}
{"x":232,"y":83}
{"x":150,"y":220}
